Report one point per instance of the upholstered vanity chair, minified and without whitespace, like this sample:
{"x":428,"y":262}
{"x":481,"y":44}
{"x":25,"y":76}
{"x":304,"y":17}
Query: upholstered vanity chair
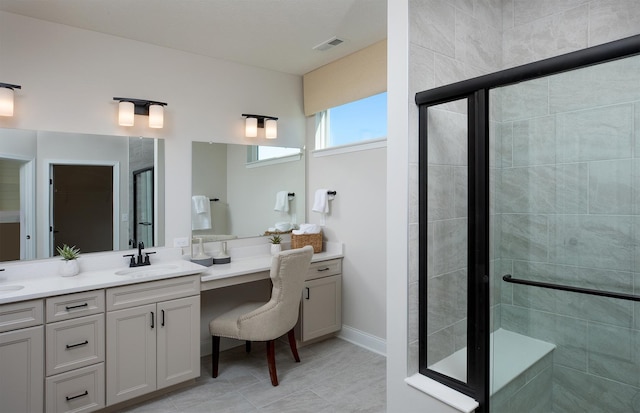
{"x":260,"y":321}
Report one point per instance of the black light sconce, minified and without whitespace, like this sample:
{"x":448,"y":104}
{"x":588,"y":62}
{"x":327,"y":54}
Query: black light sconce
{"x":253,"y":122}
{"x":128,"y":107}
{"x":6,"y":98}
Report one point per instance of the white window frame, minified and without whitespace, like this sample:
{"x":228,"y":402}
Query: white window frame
{"x":253,"y":163}
{"x":323,"y":126}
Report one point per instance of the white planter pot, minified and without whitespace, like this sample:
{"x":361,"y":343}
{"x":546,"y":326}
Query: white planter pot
{"x":275,"y":249}
{"x":68,"y":268}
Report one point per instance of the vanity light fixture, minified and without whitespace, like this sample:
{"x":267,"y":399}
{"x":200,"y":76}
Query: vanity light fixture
{"x":127,"y":108}
{"x":253,"y":122}
{"x":6,"y":98}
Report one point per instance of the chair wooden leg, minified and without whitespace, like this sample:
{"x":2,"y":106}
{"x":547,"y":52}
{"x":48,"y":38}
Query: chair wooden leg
{"x":247,"y":346}
{"x":271,"y":361}
{"x":215,"y":355}
{"x":292,"y":344}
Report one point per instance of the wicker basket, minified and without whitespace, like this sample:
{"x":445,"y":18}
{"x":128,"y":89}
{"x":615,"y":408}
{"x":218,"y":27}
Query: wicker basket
{"x":315,"y":240}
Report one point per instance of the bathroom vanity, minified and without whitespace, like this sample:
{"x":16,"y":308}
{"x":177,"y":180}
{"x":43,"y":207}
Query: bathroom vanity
{"x":112,"y":333}
{"x":74,"y":343}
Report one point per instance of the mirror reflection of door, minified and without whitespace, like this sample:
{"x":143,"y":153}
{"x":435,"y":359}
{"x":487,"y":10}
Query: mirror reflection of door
{"x":82,"y":207}
{"x":143,"y":206}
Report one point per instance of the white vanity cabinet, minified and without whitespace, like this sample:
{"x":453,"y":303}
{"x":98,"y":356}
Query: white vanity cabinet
{"x":75,"y":352}
{"x":321,"y":307}
{"x":153,"y":333}
{"x":22,"y":357}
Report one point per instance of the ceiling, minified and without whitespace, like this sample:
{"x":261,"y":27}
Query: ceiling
{"x":272,"y":34}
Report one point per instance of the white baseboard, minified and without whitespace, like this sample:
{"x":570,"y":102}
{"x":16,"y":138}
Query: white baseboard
{"x":362,"y":339}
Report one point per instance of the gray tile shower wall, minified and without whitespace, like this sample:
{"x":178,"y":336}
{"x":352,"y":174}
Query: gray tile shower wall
{"x":568,"y":213}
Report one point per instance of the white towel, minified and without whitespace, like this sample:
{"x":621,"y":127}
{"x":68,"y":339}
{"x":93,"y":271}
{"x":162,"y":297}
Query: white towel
{"x":321,"y":201}
{"x":307,"y":229}
{"x":282,"y":201}
{"x":201,"y":203}
{"x":202,"y":219}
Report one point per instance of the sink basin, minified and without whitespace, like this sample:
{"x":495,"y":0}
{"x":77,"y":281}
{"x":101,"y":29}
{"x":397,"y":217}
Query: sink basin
{"x":6,"y":289}
{"x":148,"y":270}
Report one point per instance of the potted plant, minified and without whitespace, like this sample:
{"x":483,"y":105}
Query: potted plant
{"x":69,"y":266}
{"x":275,"y":241}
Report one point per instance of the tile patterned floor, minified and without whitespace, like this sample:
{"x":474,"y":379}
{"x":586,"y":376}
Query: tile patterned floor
{"x":333,"y":376}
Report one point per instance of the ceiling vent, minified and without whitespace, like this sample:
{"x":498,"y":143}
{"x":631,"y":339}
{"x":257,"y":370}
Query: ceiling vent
{"x":326,"y":45}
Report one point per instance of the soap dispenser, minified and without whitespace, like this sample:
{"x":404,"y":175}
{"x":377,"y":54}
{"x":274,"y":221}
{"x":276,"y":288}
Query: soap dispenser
{"x":200,"y":257}
{"x":222,"y":257}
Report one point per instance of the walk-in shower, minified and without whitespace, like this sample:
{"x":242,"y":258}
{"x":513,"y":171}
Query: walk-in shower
{"x":530,"y":234}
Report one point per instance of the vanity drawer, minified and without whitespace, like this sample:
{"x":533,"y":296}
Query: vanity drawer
{"x":74,"y":343}
{"x":21,"y":315}
{"x":324,"y":269}
{"x":65,"y":307}
{"x":80,"y":390}
{"x":134,"y":295}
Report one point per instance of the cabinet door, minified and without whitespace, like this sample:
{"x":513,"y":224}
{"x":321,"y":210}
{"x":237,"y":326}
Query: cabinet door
{"x":22,"y":370}
{"x":321,"y":307}
{"x":178,"y":336}
{"x":131,"y":352}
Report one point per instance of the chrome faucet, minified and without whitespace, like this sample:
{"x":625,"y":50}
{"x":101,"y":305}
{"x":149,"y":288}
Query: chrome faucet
{"x":140,"y":261}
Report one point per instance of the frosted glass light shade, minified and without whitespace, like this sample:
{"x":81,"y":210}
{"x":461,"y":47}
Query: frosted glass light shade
{"x":156,"y":116}
{"x":6,"y":101}
{"x":270,"y":128}
{"x":251,"y":128}
{"x":125,"y":113}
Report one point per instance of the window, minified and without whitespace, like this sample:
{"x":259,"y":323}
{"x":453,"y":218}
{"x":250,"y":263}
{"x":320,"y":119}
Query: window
{"x":356,"y":122}
{"x":269,"y":155}
{"x":270,"y":152}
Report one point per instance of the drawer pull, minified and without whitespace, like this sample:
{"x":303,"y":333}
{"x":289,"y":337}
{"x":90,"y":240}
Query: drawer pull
{"x":323,"y":269}
{"x":86,"y":393}
{"x":73,"y":307}
{"x":308,"y":292}
{"x":77,"y":345}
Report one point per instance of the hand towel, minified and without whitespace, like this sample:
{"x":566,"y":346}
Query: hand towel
{"x":201,"y":203}
{"x":321,"y":201}
{"x":200,"y":220}
{"x":282,"y":201}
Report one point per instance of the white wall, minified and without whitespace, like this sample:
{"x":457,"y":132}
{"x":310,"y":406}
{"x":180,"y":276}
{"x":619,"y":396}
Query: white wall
{"x":69,"y":77}
{"x":357,"y":218}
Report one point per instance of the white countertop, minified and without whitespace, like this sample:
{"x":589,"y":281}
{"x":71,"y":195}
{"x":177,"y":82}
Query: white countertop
{"x":253,"y":264}
{"x":47,"y":286}
{"x":39,"y":279}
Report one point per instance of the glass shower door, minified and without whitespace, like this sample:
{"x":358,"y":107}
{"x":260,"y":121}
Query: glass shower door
{"x":565,"y":174}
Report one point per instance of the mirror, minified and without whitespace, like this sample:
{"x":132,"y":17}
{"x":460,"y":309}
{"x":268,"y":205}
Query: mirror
{"x":78,"y":189}
{"x":242,"y":190}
